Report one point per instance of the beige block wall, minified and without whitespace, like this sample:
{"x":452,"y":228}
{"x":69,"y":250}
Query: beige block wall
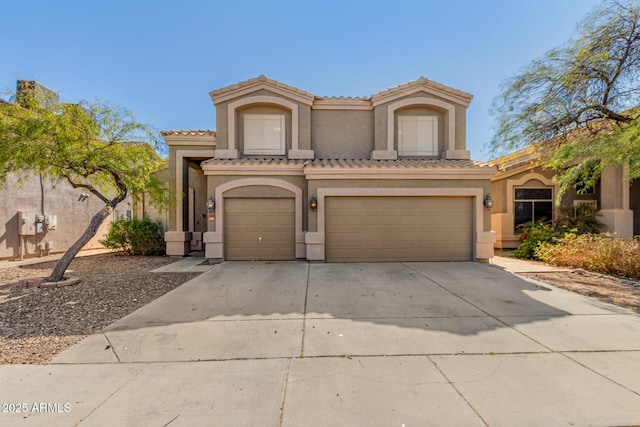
{"x":49,"y":198}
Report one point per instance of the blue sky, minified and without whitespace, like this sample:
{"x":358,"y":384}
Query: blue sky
{"x":161,"y":58}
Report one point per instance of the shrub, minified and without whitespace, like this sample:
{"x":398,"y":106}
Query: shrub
{"x":136,"y":236}
{"x":580,"y":219}
{"x":573,"y":220}
{"x":533,"y":234}
{"x":602,"y":253}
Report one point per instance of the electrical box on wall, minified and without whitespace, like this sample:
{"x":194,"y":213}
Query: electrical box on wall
{"x":51,"y":222}
{"x":26,"y":224}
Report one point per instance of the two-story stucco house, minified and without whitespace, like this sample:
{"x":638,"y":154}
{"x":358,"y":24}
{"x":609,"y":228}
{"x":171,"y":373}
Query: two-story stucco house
{"x":290,"y":175}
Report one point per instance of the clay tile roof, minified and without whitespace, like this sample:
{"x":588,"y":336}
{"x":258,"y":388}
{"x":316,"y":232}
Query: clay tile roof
{"x":351,"y":163}
{"x":260,"y":78}
{"x":524,"y":156}
{"x":255,"y":161}
{"x":400,"y":163}
{"x":188,"y":133}
{"x":423,"y":81}
{"x":343,"y":98}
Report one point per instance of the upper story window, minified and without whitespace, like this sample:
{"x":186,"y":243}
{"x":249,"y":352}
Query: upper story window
{"x":264,"y":134}
{"x":417,"y":135}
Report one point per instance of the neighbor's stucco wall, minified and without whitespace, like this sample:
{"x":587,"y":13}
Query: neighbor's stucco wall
{"x":48,"y":198}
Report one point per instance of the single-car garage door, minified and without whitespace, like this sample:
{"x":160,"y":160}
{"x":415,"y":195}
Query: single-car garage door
{"x":369,"y":229}
{"x":259,"y":229}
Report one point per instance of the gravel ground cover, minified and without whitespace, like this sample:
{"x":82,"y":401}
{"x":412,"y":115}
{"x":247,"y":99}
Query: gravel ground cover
{"x":36,"y":324}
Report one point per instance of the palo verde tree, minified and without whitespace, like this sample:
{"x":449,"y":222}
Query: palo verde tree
{"x":96,"y":147}
{"x":578,"y":104}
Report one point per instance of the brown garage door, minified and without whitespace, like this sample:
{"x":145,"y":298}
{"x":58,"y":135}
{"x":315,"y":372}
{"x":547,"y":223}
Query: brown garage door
{"x":259,"y":229}
{"x":362,"y":229}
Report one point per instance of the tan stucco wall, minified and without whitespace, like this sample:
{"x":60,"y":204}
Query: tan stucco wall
{"x":421,"y":111}
{"x":380,"y":114}
{"x":261,"y":109}
{"x":259,"y":191}
{"x":222,"y":120}
{"x":143,"y":208}
{"x":192,"y":176}
{"x":342,"y":134}
{"x":58,"y":199}
{"x":634,"y":205}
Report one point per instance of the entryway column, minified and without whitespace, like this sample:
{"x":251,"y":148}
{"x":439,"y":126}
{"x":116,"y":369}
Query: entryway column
{"x":614,"y":201}
{"x":178,"y":241}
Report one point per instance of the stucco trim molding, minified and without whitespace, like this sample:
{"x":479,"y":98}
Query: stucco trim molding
{"x":342,"y":104}
{"x":511,"y":183}
{"x":480,"y":237}
{"x":266,"y":84}
{"x":400,"y":173}
{"x":248,"y":182}
{"x":180,"y":156}
{"x":449,"y":120}
{"x":253,"y":169}
{"x":187,"y":140}
{"x":233,"y":107}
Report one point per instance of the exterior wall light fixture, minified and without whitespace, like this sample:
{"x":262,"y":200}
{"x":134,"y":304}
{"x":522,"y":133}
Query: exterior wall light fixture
{"x":211,"y":204}
{"x":488,"y":201}
{"x":313,"y":203}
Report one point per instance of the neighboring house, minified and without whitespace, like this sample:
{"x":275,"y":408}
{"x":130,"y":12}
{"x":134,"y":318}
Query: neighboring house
{"x":57,"y":213}
{"x":523,"y":191}
{"x":42,"y":199}
{"x":289,"y":175}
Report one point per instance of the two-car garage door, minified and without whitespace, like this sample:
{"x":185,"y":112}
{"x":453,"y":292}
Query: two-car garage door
{"x":370,"y":229}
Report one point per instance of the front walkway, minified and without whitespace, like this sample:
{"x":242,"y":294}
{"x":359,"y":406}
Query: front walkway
{"x":299,"y":344}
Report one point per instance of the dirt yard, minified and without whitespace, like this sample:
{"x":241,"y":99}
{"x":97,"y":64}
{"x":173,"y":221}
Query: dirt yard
{"x":36,"y":324}
{"x":593,"y":285}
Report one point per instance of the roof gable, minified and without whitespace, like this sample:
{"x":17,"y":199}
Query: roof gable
{"x":257,"y":83}
{"x":422,"y":85}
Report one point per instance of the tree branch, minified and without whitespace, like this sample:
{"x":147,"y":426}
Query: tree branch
{"x":88,"y":187}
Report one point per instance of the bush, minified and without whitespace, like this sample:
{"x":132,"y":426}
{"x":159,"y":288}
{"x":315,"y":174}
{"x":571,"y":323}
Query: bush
{"x":136,"y":237}
{"x":580,"y":219}
{"x":573,"y":220}
{"x":533,"y":234}
{"x":602,"y":253}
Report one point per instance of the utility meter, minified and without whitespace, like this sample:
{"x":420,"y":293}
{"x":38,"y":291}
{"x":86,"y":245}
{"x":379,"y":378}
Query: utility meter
{"x":51,"y":222}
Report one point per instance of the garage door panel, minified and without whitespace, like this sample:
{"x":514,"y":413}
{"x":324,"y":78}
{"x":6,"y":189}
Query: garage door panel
{"x":398,"y":229}
{"x":259,"y":229}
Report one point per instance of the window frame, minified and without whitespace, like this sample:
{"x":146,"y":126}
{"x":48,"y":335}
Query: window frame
{"x":254,"y":148}
{"x":533,"y":202}
{"x":434,"y":142}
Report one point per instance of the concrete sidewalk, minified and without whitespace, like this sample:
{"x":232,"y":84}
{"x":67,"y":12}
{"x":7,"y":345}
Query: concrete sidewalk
{"x":298,"y":344}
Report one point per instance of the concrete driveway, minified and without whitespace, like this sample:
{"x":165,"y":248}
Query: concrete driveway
{"x":299,"y":344}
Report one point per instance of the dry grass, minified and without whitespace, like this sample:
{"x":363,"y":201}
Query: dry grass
{"x":600,"y":253}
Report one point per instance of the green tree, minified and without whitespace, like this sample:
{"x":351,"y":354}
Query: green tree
{"x":97,"y":147}
{"x":577,"y":104}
